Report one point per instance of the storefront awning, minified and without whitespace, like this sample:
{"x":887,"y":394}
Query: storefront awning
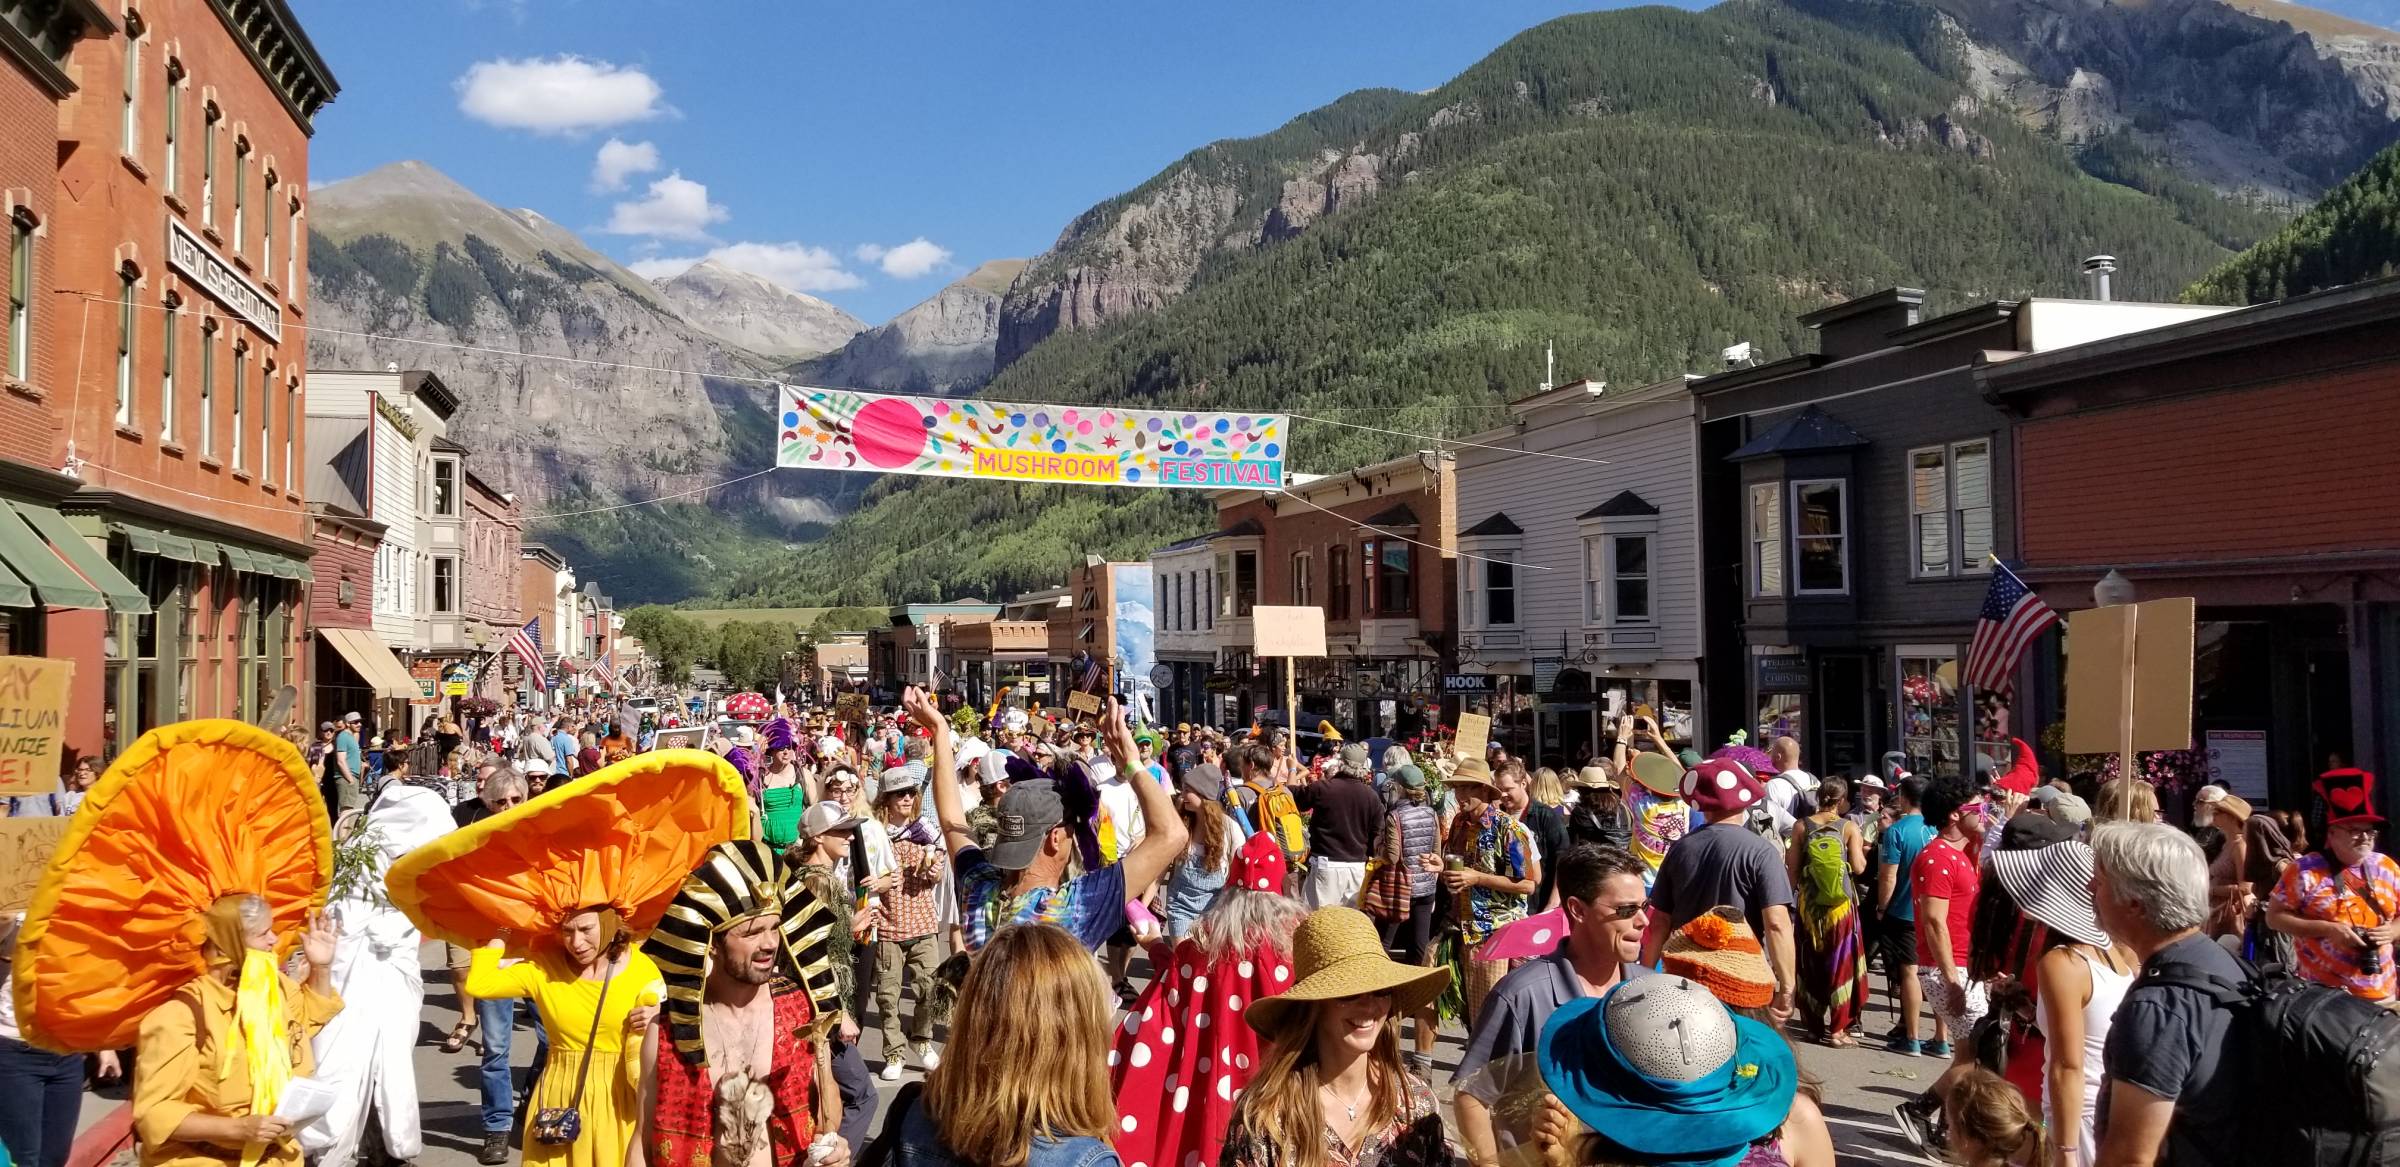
{"x":152,"y":541}
{"x":372,"y":661}
{"x":54,"y":583}
{"x":123,"y":595}
{"x":206,"y":553}
{"x":13,"y":591}
{"x":237,"y":559}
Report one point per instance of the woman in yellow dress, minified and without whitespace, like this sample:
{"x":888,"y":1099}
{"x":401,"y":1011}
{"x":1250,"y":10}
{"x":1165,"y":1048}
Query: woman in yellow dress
{"x":595,"y":1062}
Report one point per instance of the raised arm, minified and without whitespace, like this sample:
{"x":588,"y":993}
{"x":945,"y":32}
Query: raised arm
{"x":948,"y":804}
{"x":1164,"y":836}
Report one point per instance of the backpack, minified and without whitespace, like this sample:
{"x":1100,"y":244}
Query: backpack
{"x":2324,"y":1064}
{"x":1279,"y":816}
{"x":1825,"y":864}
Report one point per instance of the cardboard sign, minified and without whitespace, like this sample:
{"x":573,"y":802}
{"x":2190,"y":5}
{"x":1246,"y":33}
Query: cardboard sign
{"x":33,"y":722}
{"x":25,"y":848}
{"x":1284,"y":630}
{"x":850,"y":708}
{"x":1083,"y":702}
{"x":2156,"y":638}
{"x":1474,"y":735}
{"x":683,"y":737}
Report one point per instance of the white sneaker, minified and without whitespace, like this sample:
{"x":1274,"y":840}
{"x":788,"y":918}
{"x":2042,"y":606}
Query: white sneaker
{"x":928,"y":1057}
{"x":891,"y":1071}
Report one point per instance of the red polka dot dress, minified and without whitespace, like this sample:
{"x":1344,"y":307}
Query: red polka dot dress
{"x":1183,"y":1053}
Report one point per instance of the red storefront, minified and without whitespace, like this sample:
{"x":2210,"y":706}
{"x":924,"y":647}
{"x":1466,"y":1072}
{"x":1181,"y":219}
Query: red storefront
{"x":2246,"y":460}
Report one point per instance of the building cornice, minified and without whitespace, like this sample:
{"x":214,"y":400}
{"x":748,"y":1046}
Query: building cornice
{"x":283,"y":55}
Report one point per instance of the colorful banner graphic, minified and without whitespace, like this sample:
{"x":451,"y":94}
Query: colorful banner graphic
{"x":838,"y":429}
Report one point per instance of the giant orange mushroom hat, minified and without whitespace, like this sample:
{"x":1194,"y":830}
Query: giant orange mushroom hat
{"x":192,"y":813}
{"x":623,"y":838}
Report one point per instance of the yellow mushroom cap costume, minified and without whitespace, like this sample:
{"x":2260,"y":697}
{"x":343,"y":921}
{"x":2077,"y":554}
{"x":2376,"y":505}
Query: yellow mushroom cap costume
{"x":190,"y":814}
{"x":624,"y":837}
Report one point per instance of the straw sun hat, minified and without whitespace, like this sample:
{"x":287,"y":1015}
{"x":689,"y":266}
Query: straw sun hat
{"x":1337,"y":953}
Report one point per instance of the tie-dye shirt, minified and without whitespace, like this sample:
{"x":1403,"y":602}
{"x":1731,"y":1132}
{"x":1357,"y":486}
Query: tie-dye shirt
{"x":2363,"y":896}
{"x":1658,"y":821}
{"x":1092,"y":906}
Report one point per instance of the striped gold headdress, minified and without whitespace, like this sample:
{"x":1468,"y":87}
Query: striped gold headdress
{"x":738,"y":880}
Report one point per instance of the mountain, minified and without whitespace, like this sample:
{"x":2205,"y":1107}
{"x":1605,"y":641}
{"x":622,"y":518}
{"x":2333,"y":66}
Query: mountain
{"x":2183,"y":99}
{"x":446,"y":281}
{"x":756,"y":313}
{"x":1640,"y":187}
{"x":2352,"y":234}
{"x":943,"y":345}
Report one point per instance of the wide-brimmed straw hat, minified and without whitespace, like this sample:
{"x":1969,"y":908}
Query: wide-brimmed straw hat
{"x":1337,"y":953}
{"x":1472,"y":771}
{"x":2053,"y":886}
{"x":1595,"y":777}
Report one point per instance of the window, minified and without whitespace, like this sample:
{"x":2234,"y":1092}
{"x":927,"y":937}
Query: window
{"x":173,"y":159}
{"x":20,"y":296}
{"x":1950,"y":508}
{"x":1337,"y":583}
{"x":241,"y":189}
{"x":1245,"y":582}
{"x":1499,"y":593}
{"x":132,"y":144}
{"x":125,"y":347}
{"x":266,"y":230}
{"x":266,"y":395}
{"x":215,"y":119}
{"x":1766,"y":539}
{"x":1389,"y":590}
{"x":445,"y":585}
{"x":167,"y":346}
{"x":208,"y":388}
{"x":1629,"y":578}
{"x":291,"y":253}
{"x":291,"y":408}
{"x":240,"y":359}
{"x":445,"y":488}
{"x":1820,"y":546}
{"x":1301,"y":584}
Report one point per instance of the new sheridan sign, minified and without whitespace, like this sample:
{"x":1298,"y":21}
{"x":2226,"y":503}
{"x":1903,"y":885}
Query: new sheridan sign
{"x":203,"y":266}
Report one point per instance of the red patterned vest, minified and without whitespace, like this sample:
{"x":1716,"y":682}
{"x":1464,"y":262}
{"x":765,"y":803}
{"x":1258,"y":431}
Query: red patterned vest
{"x":684,"y":1133}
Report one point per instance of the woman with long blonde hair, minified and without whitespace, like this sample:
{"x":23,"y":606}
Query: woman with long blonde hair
{"x":1024,"y":1082}
{"x":1332,"y":1090}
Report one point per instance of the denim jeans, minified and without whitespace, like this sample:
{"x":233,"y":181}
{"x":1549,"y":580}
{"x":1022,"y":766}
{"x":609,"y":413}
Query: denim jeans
{"x":42,"y":1093}
{"x":497,"y":1018}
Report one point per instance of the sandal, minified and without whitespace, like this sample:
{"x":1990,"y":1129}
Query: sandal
{"x":459,"y":1034}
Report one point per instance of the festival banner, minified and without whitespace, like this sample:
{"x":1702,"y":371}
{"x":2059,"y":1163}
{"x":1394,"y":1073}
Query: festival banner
{"x":839,"y":429}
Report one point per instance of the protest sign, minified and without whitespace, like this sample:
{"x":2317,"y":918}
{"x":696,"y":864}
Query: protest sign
{"x":851,"y":708}
{"x":25,"y":848}
{"x":1474,"y":732}
{"x":1083,"y":702}
{"x":33,"y":721}
{"x":838,"y":429}
{"x":682,"y":737}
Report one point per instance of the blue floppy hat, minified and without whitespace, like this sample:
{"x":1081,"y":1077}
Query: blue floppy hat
{"x":1666,"y":1074}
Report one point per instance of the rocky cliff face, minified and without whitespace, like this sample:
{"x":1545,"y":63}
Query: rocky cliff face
{"x":2258,"y":99}
{"x":943,"y":345}
{"x":757,"y":314}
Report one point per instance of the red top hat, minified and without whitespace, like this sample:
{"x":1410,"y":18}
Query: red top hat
{"x":2349,"y":796}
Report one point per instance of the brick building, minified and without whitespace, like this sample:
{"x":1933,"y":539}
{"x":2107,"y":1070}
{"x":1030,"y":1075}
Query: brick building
{"x":2243,"y":460}
{"x":546,"y":596}
{"x":494,"y":539}
{"x":351,"y":669}
{"x":156,"y":167}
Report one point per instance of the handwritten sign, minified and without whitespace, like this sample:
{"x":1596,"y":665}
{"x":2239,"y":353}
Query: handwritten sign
{"x":25,"y":848}
{"x":1083,"y":702}
{"x":1474,"y":730}
{"x":33,"y":720}
{"x":851,"y":708}
{"x":684,"y":737}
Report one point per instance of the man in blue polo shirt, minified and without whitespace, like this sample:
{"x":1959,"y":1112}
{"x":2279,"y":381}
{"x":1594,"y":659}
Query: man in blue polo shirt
{"x":1897,"y":901}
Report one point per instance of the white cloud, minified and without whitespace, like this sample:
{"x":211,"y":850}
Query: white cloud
{"x":556,"y":95}
{"x":619,"y":160}
{"x":797,"y":266}
{"x":917,"y":257}
{"x":675,"y":208}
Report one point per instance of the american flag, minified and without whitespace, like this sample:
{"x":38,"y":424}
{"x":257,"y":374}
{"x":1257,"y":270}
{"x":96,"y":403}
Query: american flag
{"x":608,"y":675}
{"x":2012,"y":616}
{"x":526,"y":642}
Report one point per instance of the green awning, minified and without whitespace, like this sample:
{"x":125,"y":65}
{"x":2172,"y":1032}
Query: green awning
{"x":272,"y":564}
{"x":143,"y":540}
{"x":13,"y":592}
{"x":205,"y":553}
{"x":123,"y":596}
{"x":176,"y":547}
{"x":54,"y":583}
{"x":237,"y":559}
{"x":301,"y":571}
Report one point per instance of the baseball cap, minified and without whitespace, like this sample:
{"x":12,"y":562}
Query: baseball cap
{"x":1409,"y":776}
{"x":352,"y":717}
{"x":828,"y":816}
{"x":322,"y":726}
{"x":2060,"y":805}
{"x":1027,"y":813}
{"x":1355,"y":760}
{"x":897,"y":780}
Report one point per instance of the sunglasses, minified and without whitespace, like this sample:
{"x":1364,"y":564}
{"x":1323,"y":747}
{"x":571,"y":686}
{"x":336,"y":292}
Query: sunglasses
{"x":1620,"y":911}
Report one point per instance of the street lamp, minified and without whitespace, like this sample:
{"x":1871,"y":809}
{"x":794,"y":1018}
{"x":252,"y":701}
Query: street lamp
{"x":2112,"y":590}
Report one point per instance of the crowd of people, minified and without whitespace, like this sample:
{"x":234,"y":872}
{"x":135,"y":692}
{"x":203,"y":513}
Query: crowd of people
{"x":1638,"y":949}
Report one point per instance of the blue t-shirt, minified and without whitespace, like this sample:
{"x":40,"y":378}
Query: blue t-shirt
{"x":563,"y":749}
{"x":1898,"y":853}
{"x":1092,"y":906}
{"x":347,"y":743}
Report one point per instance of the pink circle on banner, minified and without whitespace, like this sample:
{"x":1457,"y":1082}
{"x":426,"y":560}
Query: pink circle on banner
{"x":1083,"y":427}
{"x":1068,"y":417}
{"x":889,"y":432}
{"x":1108,"y":418}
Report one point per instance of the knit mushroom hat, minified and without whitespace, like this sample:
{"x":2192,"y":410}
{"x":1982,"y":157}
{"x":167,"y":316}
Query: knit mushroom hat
{"x":1722,"y":785}
{"x":1718,"y":949}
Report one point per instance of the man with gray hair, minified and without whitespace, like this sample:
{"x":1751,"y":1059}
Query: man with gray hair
{"x":1348,"y":815}
{"x":2174,"y":1066}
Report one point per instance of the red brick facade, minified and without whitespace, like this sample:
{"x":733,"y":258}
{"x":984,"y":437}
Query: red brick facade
{"x":343,"y":558}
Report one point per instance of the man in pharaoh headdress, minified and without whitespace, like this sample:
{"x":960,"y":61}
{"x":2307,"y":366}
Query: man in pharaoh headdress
{"x":740,"y":1076}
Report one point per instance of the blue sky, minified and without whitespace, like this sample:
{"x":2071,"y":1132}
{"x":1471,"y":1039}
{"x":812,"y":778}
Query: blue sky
{"x":865,"y":152}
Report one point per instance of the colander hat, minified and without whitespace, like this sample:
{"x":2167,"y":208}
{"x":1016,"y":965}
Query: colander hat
{"x":1666,"y":1073}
